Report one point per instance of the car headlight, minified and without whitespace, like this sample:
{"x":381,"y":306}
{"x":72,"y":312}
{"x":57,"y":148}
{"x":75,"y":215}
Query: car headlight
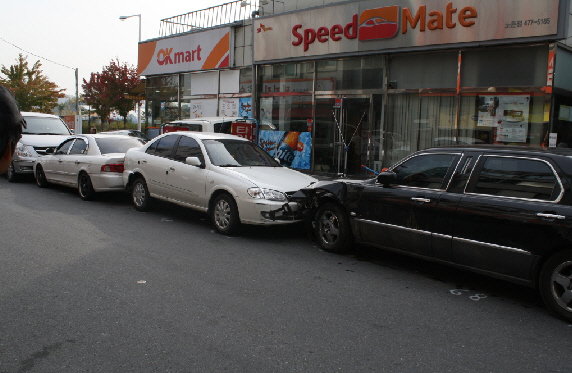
{"x":24,"y":150}
{"x":262,"y":193}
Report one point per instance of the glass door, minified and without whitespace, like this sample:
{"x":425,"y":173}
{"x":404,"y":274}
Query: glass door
{"x":342,"y":133}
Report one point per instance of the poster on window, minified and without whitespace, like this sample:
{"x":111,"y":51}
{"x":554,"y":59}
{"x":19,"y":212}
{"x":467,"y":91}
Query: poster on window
{"x":292,"y":148}
{"x":494,"y":111}
{"x":228,"y":107}
{"x":512,"y":132}
{"x":266,"y":110}
{"x":203,"y":108}
{"x":245,"y":108}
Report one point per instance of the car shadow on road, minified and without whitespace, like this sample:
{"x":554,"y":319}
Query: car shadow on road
{"x":455,"y":278}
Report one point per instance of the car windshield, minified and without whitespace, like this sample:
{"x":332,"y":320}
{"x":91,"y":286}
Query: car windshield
{"x":237,"y":153}
{"x":117,"y":144}
{"x":45,"y":126}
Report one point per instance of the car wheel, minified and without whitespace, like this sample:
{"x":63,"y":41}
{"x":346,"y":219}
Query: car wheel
{"x":140,"y":195}
{"x":224,"y":215}
{"x":556,"y":284}
{"x":85,"y":187}
{"x":11,"y":174}
{"x":332,"y":228}
{"x":40,"y":177}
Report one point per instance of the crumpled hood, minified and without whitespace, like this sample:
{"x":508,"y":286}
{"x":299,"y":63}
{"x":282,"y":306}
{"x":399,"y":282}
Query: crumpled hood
{"x":43,"y":140}
{"x":278,"y":178}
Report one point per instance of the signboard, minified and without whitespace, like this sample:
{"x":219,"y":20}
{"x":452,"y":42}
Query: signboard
{"x":498,"y":110}
{"x":191,"y":52}
{"x":380,"y":25}
{"x":293,"y":149}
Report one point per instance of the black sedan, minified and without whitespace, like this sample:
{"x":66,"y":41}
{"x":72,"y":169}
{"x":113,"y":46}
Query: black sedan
{"x":501,"y":211}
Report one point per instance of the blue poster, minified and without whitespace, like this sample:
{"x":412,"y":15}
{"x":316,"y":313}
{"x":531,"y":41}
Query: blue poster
{"x":245,"y":107}
{"x":293,"y":149}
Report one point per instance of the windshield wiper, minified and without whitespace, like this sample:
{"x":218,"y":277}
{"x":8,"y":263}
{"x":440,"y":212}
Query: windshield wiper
{"x":229,"y":165}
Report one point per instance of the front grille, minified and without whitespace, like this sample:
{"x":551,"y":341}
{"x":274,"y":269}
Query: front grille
{"x":41,"y":150}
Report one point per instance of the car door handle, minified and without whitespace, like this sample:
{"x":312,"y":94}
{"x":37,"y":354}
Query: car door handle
{"x":419,"y":199}
{"x":77,"y":162}
{"x":551,"y":216}
{"x":144,"y":161}
{"x":60,"y":161}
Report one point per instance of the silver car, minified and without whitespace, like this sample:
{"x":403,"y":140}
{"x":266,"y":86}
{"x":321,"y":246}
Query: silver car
{"x":43,"y":131}
{"x":90,"y":163}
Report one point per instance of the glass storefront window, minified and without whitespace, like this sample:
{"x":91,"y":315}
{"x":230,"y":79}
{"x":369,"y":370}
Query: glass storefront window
{"x":350,"y":74}
{"x":505,"y":67}
{"x":162,"y":95}
{"x":503,"y":118}
{"x":416,"y":122}
{"x":412,"y":71}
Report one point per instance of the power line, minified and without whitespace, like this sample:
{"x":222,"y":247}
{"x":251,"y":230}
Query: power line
{"x":35,"y":55}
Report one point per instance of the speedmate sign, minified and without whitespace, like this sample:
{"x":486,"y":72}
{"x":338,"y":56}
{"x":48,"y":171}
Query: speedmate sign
{"x":383,"y":24}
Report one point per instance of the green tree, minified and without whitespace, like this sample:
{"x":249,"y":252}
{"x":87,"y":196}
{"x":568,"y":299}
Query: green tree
{"x":32,"y":89}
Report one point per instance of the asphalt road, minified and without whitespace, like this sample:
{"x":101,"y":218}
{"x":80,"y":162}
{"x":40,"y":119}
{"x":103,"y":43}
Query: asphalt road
{"x":99,"y":287}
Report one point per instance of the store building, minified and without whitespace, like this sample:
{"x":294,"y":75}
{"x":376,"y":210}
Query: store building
{"x":357,"y":85}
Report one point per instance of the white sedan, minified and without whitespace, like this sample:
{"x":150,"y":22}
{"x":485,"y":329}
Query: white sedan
{"x":232,"y":179}
{"x":90,"y":163}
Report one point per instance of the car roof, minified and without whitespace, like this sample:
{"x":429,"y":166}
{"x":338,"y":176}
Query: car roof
{"x":490,"y":148}
{"x":206,"y":135}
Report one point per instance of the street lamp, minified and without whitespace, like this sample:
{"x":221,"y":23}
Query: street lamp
{"x":123,"y":18}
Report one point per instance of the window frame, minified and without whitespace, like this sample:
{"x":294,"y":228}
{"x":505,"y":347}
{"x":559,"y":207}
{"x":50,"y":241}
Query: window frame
{"x":480,"y":163}
{"x":446,"y":178}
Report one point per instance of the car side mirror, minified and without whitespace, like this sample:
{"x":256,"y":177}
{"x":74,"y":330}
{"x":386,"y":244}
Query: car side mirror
{"x":386,"y":177}
{"x":50,"y":150}
{"x":194,"y":161}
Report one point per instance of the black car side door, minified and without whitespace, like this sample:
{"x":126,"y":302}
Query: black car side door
{"x":405,"y":214}
{"x":509,"y":215}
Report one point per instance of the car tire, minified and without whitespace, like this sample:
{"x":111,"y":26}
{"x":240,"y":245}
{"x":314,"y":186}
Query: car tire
{"x":11,"y":174}
{"x":333,"y":231}
{"x":85,"y":187}
{"x":140,"y":195}
{"x":555,"y":284}
{"x":224,"y":215}
{"x":40,"y":176}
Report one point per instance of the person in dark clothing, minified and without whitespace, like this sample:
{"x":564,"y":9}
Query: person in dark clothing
{"x":11,"y":124}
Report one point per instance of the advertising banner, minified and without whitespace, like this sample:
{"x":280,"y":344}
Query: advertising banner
{"x":197,"y":51}
{"x":380,"y":24}
{"x":293,"y":149}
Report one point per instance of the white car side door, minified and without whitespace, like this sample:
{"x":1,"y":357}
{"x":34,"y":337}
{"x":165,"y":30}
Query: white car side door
{"x":54,"y":165}
{"x":155,"y":163}
{"x":74,"y":160}
{"x":187,"y":183}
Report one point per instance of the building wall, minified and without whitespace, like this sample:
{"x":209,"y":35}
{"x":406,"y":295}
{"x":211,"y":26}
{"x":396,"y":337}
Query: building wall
{"x":243,"y":46}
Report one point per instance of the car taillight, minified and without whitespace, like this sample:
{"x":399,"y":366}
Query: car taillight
{"x":112,"y":168}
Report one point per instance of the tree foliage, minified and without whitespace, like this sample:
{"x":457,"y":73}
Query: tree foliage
{"x":32,"y":89}
{"x":106,"y":90}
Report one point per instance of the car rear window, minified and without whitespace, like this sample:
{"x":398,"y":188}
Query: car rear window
{"x":517,"y":177}
{"x":117,"y":144}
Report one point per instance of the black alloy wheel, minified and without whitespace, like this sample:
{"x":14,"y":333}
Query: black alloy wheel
{"x":41,"y":180}
{"x":556,"y":284}
{"x":11,"y":174}
{"x":332,"y":228}
{"x":85,"y":187}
